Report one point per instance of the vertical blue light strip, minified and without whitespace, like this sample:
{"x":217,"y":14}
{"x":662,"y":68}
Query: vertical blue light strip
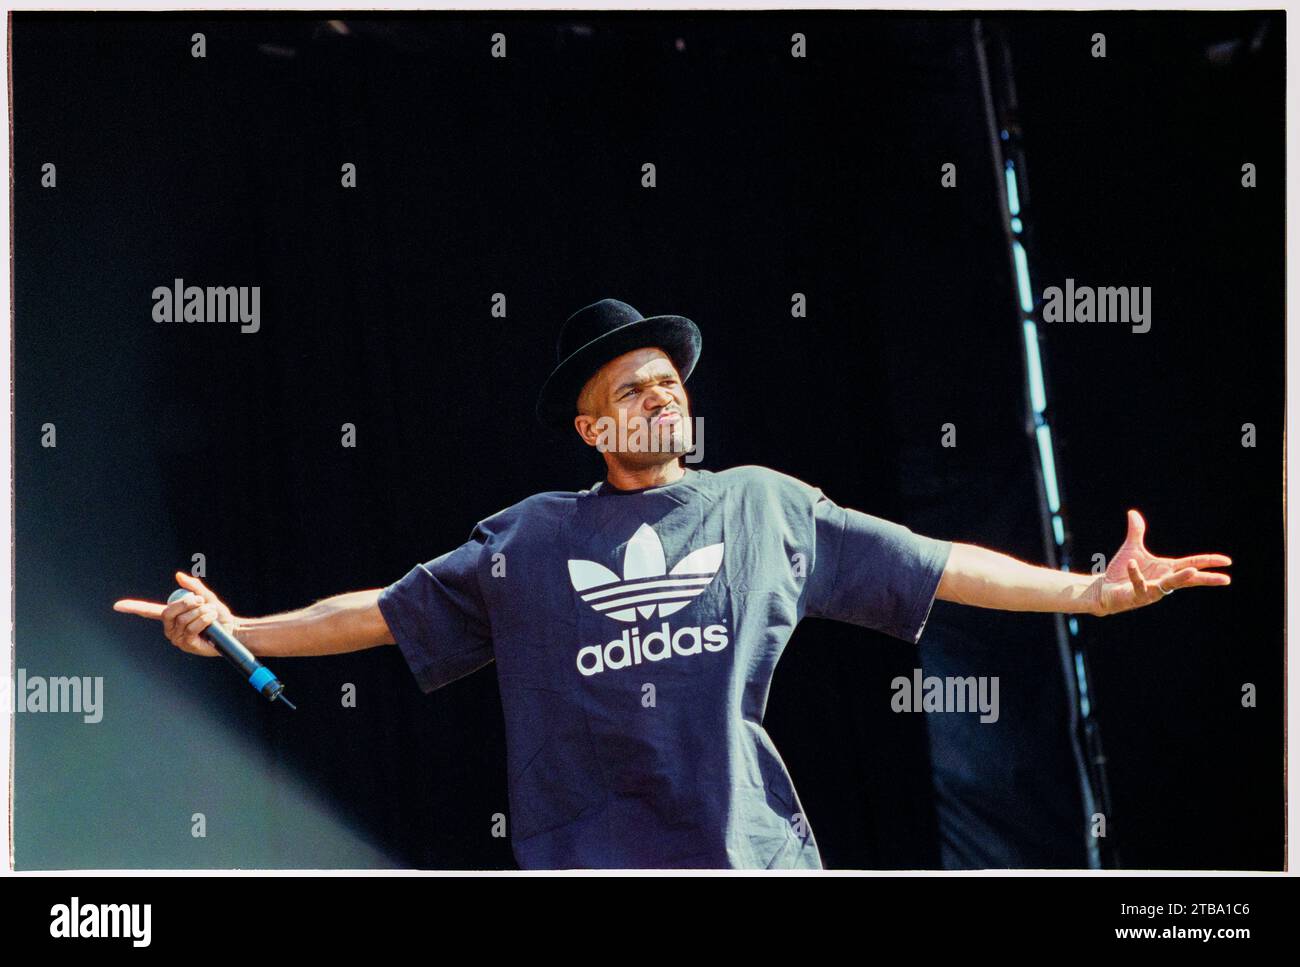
{"x":1013,"y":193}
{"x":1085,"y":705}
{"x":1022,"y":277}
{"x":1048,"y":461}
{"x":1037,"y":391}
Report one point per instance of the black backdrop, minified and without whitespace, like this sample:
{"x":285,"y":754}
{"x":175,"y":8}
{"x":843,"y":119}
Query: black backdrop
{"x":522,"y":176}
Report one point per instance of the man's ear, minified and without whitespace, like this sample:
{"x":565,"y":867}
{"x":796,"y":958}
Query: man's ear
{"x":587,"y":429}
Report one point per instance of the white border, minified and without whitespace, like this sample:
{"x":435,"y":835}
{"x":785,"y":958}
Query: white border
{"x":6,"y":533}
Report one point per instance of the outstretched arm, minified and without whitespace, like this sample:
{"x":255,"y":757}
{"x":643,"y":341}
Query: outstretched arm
{"x":345,"y":622}
{"x":1135,"y":577}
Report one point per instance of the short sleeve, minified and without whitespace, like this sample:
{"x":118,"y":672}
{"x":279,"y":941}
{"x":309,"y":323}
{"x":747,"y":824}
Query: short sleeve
{"x":438,"y":618}
{"x":873,"y":572}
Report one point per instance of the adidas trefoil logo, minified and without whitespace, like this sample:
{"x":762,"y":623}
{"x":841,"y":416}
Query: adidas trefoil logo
{"x":647,"y":585}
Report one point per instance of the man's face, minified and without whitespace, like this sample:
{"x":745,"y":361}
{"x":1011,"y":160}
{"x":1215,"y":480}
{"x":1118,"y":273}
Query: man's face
{"x":635,"y":406}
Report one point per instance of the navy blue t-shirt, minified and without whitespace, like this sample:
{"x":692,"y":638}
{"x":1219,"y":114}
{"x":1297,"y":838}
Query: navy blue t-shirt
{"x":635,"y":634}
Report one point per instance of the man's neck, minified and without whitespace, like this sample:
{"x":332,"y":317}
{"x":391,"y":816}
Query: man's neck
{"x":638,"y":478}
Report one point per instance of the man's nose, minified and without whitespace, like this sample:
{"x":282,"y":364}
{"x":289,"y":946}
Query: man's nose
{"x":658,"y":398}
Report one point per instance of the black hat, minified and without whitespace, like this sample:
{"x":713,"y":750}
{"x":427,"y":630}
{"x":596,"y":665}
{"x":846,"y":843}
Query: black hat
{"x":597,"y":333}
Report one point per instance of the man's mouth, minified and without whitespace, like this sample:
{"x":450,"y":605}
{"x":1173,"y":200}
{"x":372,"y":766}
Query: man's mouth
{"x":669,"y":416}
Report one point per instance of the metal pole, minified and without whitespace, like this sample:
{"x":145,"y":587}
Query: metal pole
{"x":1009,"y":176}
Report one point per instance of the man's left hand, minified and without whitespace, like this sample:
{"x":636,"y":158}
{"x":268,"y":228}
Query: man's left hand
{"x":1136,"y":577}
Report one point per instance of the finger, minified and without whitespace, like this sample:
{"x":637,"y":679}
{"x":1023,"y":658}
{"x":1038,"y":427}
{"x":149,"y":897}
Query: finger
{"x":189,"y":640}
{"x":1151,"y":590}
{"x":196,"y":646}
{"x":204,"y":616}
{"x":1208,"y":579}
{"x":185,"y":620}
{"x":1137,"y":580}
{"x":145,"y":609}
{"x":1137,"y":528}
{"x":1203,"y":560}
{"x":190,"y":583}
{"x":180,"y":606}
{"x":178,"y":609}
{"x":1179,"y":579}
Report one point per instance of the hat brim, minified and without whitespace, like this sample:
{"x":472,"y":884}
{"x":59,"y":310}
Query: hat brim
{"x":677,"y":336}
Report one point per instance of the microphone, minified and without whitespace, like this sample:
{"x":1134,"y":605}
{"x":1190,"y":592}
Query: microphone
{"x":245,"y":662}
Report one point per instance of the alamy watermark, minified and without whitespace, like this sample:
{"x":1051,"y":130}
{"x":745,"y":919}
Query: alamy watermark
{"x":973,"y":693}
{"x":1107,"y":303}
{"x":82,"y":695}
{"x":666,"y":432}
{"x":76,"y":920}
{"x":179,"y":302}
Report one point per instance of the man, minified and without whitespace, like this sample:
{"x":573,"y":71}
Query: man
{"x":635,"y":626}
